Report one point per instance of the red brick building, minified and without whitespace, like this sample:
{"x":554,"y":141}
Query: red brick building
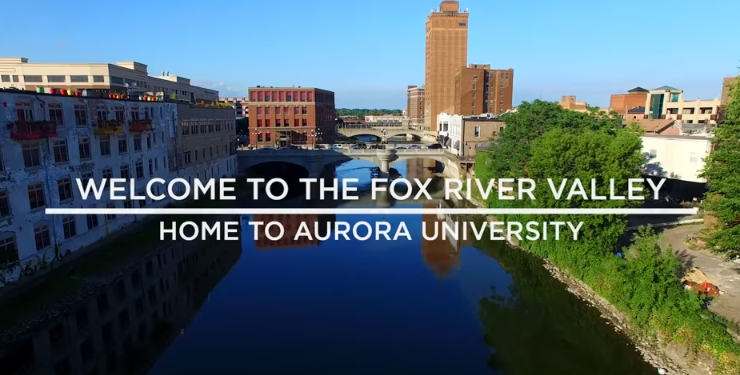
{"x":283,"y":116}
{"x":480,"y":89}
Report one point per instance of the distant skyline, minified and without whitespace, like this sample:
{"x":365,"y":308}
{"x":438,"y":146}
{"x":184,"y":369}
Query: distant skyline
{"x":369,"y":52}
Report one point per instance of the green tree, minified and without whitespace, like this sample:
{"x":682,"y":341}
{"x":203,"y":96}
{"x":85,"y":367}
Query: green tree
{"x":722,"y":171}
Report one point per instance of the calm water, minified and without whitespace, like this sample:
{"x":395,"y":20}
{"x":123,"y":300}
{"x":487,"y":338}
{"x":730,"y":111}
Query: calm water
{"x":339,"y":307}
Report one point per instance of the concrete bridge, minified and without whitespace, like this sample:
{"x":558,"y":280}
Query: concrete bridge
{"x":315,"y":161}
{"x":382,"y":132}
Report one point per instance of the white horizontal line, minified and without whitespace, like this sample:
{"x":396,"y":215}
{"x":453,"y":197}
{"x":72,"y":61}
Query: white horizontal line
{"x":372,"y":211}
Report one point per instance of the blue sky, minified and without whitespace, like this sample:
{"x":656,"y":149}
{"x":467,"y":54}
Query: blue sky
{"x":369,"y":51}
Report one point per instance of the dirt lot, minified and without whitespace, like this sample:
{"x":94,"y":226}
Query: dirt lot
{"x":725,"y":275}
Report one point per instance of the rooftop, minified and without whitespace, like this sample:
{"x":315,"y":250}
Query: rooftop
{"x":666,"y":88}
{"x":638,"y":89}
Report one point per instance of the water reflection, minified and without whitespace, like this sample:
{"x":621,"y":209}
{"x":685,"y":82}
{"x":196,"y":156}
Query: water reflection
{"x":126,"y":323}
{"x":291,"y":225}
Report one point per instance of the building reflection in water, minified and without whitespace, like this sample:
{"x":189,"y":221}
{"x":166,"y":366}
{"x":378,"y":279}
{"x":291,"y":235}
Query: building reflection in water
{"x":128,"y":323}
{"x":442,"y":256}
{"x":291,"y":224}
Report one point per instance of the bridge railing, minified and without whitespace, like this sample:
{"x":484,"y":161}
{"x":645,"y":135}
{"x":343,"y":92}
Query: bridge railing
{"x":349,"y":151}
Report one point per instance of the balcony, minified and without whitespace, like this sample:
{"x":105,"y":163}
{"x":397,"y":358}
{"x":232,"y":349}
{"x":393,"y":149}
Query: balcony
{"x":25,"y":130}
{"x":138,"y":126}
{"x":108,"y":127}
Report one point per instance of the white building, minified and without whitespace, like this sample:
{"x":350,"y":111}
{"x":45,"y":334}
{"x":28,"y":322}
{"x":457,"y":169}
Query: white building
{"x":47,"y":142}
{"x":450,"y":132}
{"x":676,"y":157}
{"x":670,"y":103}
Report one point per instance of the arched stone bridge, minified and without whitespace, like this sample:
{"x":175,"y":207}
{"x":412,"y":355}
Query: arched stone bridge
{"x":378,"y":131}
{"x":314,"y":161}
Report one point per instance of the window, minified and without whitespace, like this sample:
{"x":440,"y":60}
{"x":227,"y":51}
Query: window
{"x":2,"y":162}
{"x":137,"y":142}
{"x":304,"y":122}
{"x":61,"y":155}
{"x":674,"y":97}
{"x":472,"y":104}
{"x":122,"y":144}
{"x":4,"y":204}
{"x":304,"y":110}
{"x":139,"y":170}
{"x":70,"y":227}
{"x":55,"y":114}
{"x":32,"y":78}
{"x":303,"y":96}
{"x":24,"y":111}
{"x":186,"y":157}
{"x":102,"y":112}
{"x":156,"y":164}
{"x":134,"y":113}
{"x":267,"y":96}
{"x":84,"y":146}
{"x":78,"y":78}
{"x":267,"y":123}
{"x":105,"y":146}
{"x":279,"y":123}
{"x":92,"y":221}
{"x":211,"y":150}
{"x":8,"y":248}
{"x":5,"y":78}
{"x":310,"y":96}
{"x":653,"y":154}
{"x":109,"y":217}
{"x":295,"y":123}
{"x":107,"y":174}
{"x":693,"y":158}
{"x":120,"y":114}
{"x":267,"y":137}
{"x":474,"y":86}
{"x":128,"y":204}
{"x":36,"y":196}
{"x":124,"y":171}
{"x":80,"y":115}
{"x":149,"y":141}
{"x":98,"y":79}
{"x":64,"y":186}
{"x":151,"y":167}
{"x":85,"y":176}
{"x":476,"y":132}
{"x":56,"y":79}
{"x":42,"y":237}
{"x":295,"y":110}
{"x":461,"y":24}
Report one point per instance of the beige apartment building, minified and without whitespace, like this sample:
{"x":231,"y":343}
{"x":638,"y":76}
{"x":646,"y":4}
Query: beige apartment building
{"x":667,"y":102}
{"x":415,"y":106}
{"x":100,"y":78}
{"x":446,"y":52}
{"x":570,"y":102}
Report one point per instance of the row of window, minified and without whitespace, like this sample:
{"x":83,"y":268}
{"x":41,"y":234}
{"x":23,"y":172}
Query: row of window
{"x":24,"y":111}
{"x":282,"y":123}
{"x":36,"y":193}
{"x":206,"y":126}
{"x":285,"y":110}
{"x":281,"y":96}
{"x":52,"y":78}
{"x":31,"y":150}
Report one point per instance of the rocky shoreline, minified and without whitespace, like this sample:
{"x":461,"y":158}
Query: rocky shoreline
{"x":668,"y":358}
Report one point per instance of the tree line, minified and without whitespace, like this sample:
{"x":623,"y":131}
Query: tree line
{"x":543,"y":140}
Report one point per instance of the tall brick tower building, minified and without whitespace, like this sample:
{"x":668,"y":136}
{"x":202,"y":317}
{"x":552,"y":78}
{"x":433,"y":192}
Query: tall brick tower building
{"x":446,"y":52}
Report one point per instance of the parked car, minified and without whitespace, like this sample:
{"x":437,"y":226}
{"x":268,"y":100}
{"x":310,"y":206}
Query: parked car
{"x":337,"y":147}
{"x":435,"y":146}
{"x":414,"y":147}
{"x":400,"y":147}
{"x":356,"y":147}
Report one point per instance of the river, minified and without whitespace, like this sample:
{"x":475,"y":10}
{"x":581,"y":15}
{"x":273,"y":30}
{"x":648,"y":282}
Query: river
{"x":333,"y":307}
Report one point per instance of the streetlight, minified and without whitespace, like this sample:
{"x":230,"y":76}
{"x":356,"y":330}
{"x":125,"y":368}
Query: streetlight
{"x":257,"y":134}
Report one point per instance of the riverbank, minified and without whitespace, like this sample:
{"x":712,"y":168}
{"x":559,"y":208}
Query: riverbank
{"x":706,"y":351}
